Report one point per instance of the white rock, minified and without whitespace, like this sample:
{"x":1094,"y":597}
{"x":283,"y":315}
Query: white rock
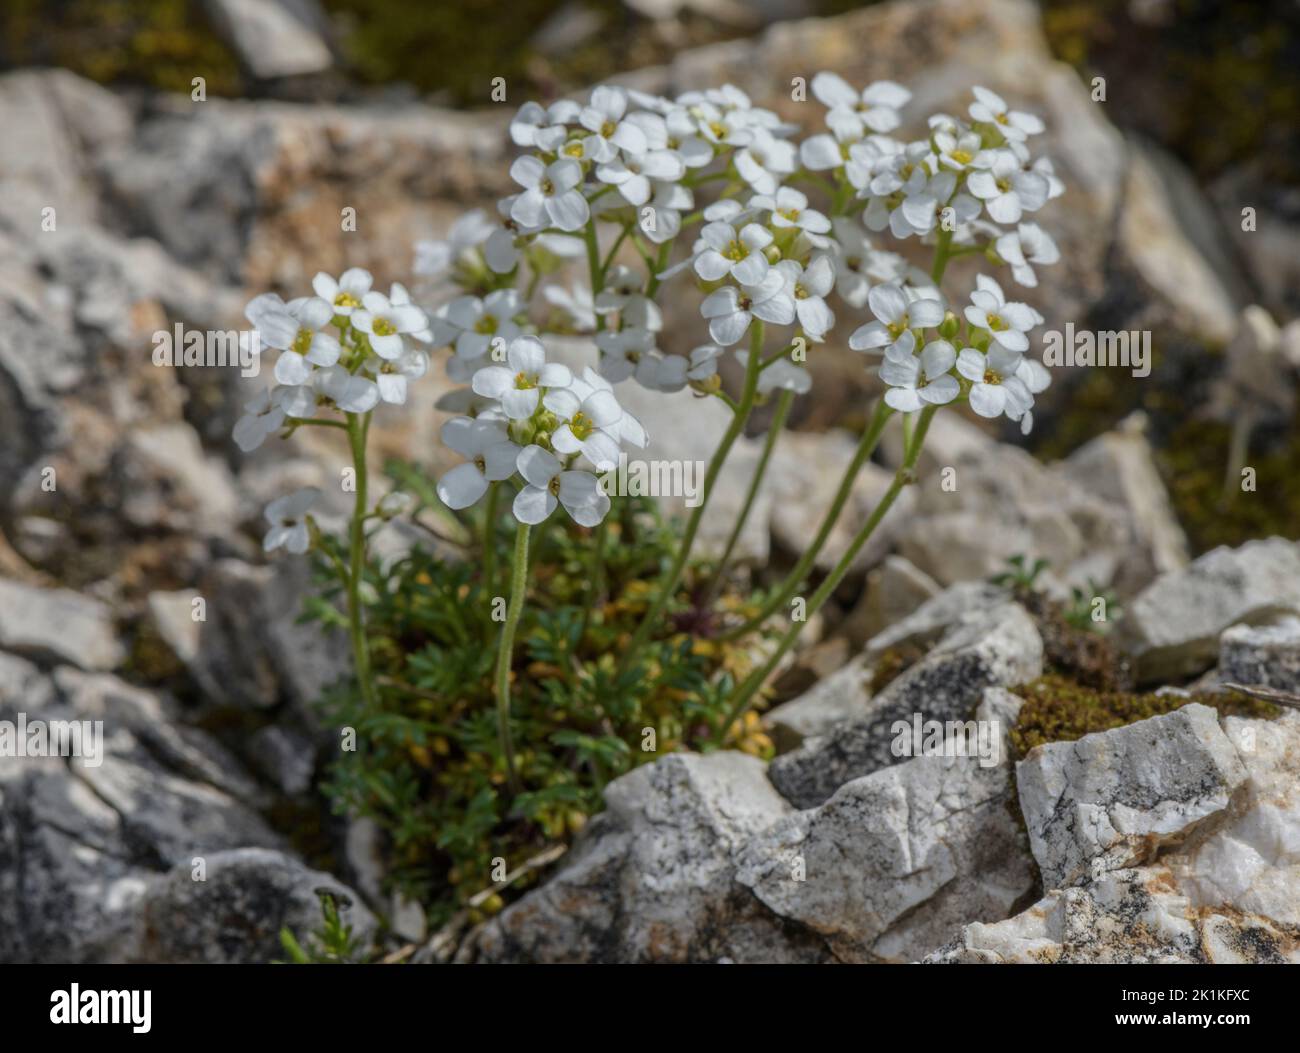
{"x":57,"y":624}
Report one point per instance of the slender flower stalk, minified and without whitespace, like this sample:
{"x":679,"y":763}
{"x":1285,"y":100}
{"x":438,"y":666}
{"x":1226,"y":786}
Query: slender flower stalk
{"x":773,"y":432}
{"x":490,"y":539}
{"x":505,"y":651}
{"x":672,"y":576}
{"x":358,"y":427}
{"x":744,"y":695}
{"x":793,"y":580}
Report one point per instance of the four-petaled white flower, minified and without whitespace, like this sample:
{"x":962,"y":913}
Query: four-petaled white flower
{"x":732,"y":252}
{"x":896,"y":316}
{"x":730,"y":309}
{"x":1008,"y":323}
{"x":764,"y":160}
{"x":435,"y":257}
{"x":518,"y":387}
{"x":1006,"y":189}
{"x":384,"y":322}
{"x":603,"y":117}
{"x":296,"y":330}
{"x":877,"y":105}
{"x":550,"y":194}
{"x":345,"y":294}
{"x":491,"y":458}
{"x":263,"y":416}
{"x":809,"y":287}
{"x":550,"y":484}
{"x":991,"y":108}
{"x":996,"y":389}
{"x":915,"y":381}
{"x":1026,"y":245}
{"x":288,"y":518}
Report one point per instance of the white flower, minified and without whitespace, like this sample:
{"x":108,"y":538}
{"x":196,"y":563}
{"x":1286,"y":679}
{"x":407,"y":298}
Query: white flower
{"x":896,"y":316}
{"x":351,"y":393}
{"x":990,"y":108}
{"x":1006,"y":189}
{"x":549,"y":484}
{"x":877,"y":105}
{"x":730,"y":310}
{"x":632,"y":174}
{"x":473,"y":323}
{"x":288,"y":518}
{"x":915,"y":381}
{"x":590,"y":413}
{"x":820,"y":153}
{"x":663,"y":221}
{"x":384,"y":322}
{"x":262,"y":417}
{"x":694,"y":151}
{"x":1006,"y":322}
{"x":789,"y":208}
{"x":392,"y":375}
{"x":518,"y":387}
{"x":549,"y":194}
{"x":1027,"y":244}
{"x":809,"y":288}
{"x":345,"y":294}
{"x":996,"y":389}
{"x":730,"y":253}
{"x":673,"y":372}
{"x":603,"y":117}
{"x":764,"y":159}
{"x":491,"y":458}
{"x":544,"y":129}
{"x":957,"y":148}
{"x":434,"y":257}
{"x":623,"y":350}
{"x":296,"y":329}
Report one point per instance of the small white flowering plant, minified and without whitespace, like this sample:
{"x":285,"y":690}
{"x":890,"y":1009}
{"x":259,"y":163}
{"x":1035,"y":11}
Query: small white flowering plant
{"x":620,"y":201}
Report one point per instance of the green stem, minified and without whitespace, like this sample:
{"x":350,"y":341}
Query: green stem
{"x":870,"y":439}
{"x":670,"y":578}
{"x":358,"y":428}
{"x":745,"y":693}
{"x":490,"y":539}
{"x":596,"y":580}
{"x":778,"y":422}
{"x":942,"y":253}
{"x":505,"y":654}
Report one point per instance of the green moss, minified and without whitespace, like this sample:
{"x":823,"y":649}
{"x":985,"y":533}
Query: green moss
{"x":1058,"y":709}
{"x":893,"y":663}
{"x":159,"y":43}
{"x":1194,"y":463}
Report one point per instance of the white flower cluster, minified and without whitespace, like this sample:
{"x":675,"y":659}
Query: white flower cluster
{"x":763,"y":252}
{"x":554,"y":429}
{"x":364,"y":361}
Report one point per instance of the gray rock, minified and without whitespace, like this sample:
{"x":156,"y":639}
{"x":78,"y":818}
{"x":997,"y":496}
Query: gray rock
{"x":1119,"y":467}
{"x":1267,"y":655}
{"x":936,"y":616}
{"x":652,"y":879}
{"x":994,"y":647}
{"x":236,"y":913}
{"x":844,"y":694}
{"x":1172,"y":627}
{"x":1225,"y":894}
{"x":892,"y":861}
{"x":286,"y":758}
{"x":894,"y":590}
{"x":1109,"y":800}
{"x":57,"y":625}
{"x":273,"y":38}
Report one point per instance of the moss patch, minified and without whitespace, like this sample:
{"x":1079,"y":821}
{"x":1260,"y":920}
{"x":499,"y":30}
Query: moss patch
{"x":1057,"y":709}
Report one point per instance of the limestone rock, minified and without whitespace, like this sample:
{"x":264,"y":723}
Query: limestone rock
{"x":59,"y":625}
{"x":997,"y":647}
{"x":1172,"y":627}
{"x":1109,"y":800}
{"x":1267,"y":655}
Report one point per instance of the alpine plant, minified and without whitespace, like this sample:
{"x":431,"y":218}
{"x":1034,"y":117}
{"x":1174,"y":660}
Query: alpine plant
{"x":841,"y":238}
